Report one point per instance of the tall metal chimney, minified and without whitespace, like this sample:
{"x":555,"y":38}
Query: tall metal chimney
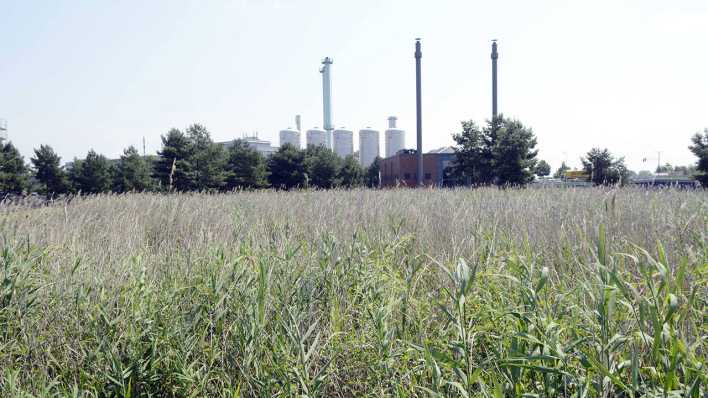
{"x":419,"y":113}
{"x":297,"y":123}
{"x":495,"y":55}
{"x":327,"y":98}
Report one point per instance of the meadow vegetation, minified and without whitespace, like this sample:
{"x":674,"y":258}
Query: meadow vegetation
{"x":411,"y":293}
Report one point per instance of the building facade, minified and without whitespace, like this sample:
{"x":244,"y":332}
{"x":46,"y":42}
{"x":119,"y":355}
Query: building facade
{"x":401,"y":168}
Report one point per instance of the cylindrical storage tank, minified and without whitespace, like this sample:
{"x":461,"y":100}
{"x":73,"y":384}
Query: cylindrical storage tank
{"x":343,"y":142}
{"x":368,"y":146}
{"x":395,"y":138}
{"x":290,"y":136}
{"x":316,"y":137}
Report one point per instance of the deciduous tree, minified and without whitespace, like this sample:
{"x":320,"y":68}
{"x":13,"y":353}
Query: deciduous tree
{"x":700,"y":149}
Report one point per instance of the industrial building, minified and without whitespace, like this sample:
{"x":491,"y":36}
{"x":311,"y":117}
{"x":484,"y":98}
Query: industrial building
{"x":262,"y":146}
{"x":401,"y":168}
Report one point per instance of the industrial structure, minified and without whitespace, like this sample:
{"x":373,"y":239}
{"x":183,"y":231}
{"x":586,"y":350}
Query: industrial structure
{"x":400,"y":169}
{"x":419,"y":113}
{"x":368,"y":146}
{"x":343,"y":142}
{"x":290,"y":136}
{"x":317,"y":137}
{"x":327,"y":99}
{"x":395,"y":138}
{"x":495,"y":56}
{"x":262,"y":146}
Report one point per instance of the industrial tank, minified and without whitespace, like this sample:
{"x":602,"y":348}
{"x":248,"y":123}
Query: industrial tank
{"x":395,"y":138}
{"x":368,"y":146}
{"x":290,"y":136}
{"x":343,"y":140}
{"x":317,"y":136}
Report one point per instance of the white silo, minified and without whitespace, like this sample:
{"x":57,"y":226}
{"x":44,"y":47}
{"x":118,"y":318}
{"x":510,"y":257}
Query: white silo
{"x":343,"y":141}
{"x":317,"y":136}
{"x":290,"y":136}
{"x":368,"y":146}
{"x":395,"y":138}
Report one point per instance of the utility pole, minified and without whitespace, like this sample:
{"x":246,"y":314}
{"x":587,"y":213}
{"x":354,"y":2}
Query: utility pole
{"x":419,"y":115}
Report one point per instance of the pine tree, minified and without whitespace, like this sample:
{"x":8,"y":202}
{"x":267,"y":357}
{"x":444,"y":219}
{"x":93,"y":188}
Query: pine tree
{"x":286,"y":168}
{"x":48,"y":172}
{"x":245,"y":167}
{"x":92,"y":174}
{"x":208,"y":160}
{"x":13,"y":171}
{"x":172,"y":168}
{"x":132,"y":172}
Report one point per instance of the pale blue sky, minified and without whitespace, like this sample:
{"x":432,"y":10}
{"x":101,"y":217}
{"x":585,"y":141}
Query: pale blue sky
{"x":628,"y":75}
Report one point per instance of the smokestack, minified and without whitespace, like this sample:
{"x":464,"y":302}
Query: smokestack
{"x":327,"y":97}
{"x":419,"y":115}
{"x":495,"y":55}
{"x":392,"y":122}
{"x":297,"y":122}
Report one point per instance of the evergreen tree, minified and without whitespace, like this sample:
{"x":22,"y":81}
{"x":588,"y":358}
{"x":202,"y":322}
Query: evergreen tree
{"x":91,"y":175}
{"x":286,"y":168}
{"x":172,"y":168}
{"x":48,"y":171}
{"x":700,"y":149}
{"x":245,"y":167}
{"x":13,"y":171}
{"x":373,"y":174}
{"x":351,"y":174}
{"x":132,"y":172}
{"x":322,"y":167}
{"x":207,"y":160}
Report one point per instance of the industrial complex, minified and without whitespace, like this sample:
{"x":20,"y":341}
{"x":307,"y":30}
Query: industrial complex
{"x":399,"y":165}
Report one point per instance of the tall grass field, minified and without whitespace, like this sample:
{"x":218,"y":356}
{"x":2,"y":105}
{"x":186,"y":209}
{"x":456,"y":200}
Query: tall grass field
{"x":405,"y":293}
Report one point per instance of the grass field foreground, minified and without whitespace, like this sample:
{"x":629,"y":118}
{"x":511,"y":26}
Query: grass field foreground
{"x":485,"y":292}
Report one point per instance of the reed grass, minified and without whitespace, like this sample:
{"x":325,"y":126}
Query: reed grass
{"x":408,"y":293}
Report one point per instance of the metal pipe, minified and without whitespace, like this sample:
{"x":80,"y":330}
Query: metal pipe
{"x":495,"y":55}
{"x":419,"y":113}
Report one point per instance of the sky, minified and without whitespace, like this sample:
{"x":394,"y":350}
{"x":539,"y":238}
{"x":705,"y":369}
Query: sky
{"x":630,"y":76}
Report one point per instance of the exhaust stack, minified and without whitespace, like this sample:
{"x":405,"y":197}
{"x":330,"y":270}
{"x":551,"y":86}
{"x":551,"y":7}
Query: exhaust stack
{"x":495,"y":55}
{"x":327,"y":98}
{"x":419,"y":115}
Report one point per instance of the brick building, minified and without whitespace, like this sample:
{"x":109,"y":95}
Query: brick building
{"x":401,"y":168}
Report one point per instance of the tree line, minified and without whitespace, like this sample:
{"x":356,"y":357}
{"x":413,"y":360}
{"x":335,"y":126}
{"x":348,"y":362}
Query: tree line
{"x":503,"y":152}
{"x":189,"y":160}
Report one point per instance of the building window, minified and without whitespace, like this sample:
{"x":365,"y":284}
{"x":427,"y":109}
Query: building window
{"x":427,"y":176}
